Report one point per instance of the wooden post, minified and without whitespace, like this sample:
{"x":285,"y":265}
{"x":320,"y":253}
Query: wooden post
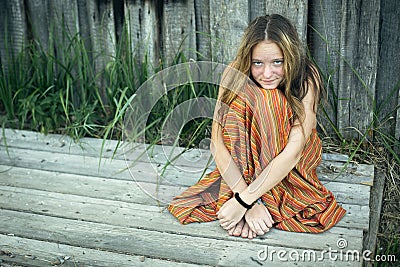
{"x":257,"y":8}
{"x":296,"y":11}
{"x":203,"y":39}
{"x":143,"y":28}
{"x":366,"y":64}
{"x":228,"y":20}
{"x":324,"y":45}
{"x":39,"y":19}
{"x":375,"y":206}
{"x":178,"y":30}
{"x":13,"y":22}
{"x":349,"y":28}
{"x":388,"y":80}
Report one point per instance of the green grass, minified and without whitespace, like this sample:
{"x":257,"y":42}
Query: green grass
{"x":64,"y":93}
{"x":374,"y":145}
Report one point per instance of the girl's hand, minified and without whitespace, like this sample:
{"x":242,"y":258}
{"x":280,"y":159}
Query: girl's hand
{"x":259,"y":219}
{"x":230,"y":214}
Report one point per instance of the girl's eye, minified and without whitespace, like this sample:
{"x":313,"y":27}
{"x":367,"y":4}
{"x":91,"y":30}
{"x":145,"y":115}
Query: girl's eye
{"x":278,"y":62}
{"x":257,"y":63}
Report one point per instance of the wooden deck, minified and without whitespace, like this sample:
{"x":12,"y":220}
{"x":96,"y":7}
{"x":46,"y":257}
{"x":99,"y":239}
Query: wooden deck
{"x":60,"y":205}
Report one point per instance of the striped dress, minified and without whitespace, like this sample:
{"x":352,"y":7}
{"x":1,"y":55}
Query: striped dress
{"x":256,"y":129}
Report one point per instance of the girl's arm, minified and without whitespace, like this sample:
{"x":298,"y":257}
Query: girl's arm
{"x":283,"y":163}
{"x":223,"y":159}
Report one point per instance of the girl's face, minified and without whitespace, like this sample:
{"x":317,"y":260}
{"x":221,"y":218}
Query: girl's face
{"x":267,"y":64}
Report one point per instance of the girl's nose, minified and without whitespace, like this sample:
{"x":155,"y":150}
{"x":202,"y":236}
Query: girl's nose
{"x":267,"y":71}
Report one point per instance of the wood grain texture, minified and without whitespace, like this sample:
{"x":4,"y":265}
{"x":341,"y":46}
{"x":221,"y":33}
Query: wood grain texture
{"x":143,"y":242}
{"x":366,"y":64}
{"x":348,"y":50}
{"x":388,"y":80}
{"x":141,"y":19}
{"x":295,"y":10}
{"x":42,"y":253}
{"x":13,"y":30}
{"x":347,"y":41}
{"x":228,"y":19}
{"x":178,"y":30}
{"x":203,"y":38}
{"x":324,"y":45}
{"x":56,"y":195}
{"x":39,"y":19}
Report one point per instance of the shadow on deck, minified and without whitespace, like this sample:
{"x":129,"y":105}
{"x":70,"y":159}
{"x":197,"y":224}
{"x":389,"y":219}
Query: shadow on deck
{"x":60,"y":205}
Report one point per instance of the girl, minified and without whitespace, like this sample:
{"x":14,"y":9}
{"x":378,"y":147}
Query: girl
{"x":264,"y":142}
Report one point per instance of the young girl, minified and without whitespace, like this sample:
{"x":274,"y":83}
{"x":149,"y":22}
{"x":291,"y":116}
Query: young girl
{"x":264,"y":142}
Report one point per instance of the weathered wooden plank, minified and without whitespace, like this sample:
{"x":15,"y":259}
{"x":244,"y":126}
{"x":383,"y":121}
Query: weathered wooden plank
{"x":388,"y":80}
{"x":78,"y":205}
{"x":228,"y":19}
{"x":143,"y":174}
{"x":90,"y":166}
{"x":179,"y":30}
{"x":256,"y":8}
{"x":40,"y":253}
{"x":348,"y":48}
{"x":329,"y":169}
{"x":366,"y":64}
{"x":143,"y":242}
{"x":296,"y":11}
{"x":97,"y":20}
{"x":203,"y":39}
{"x":64,"y":20}
{"x":38,"y":18}
{"x":324,"y":45}
{"x":376,"y":200}
{"x":142,"y":21}
{"x":13,"y":30}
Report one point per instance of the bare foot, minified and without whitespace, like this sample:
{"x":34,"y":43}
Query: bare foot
{"x":237,"y":230}
{"x":259,"y":219}
{"x":247,"y":232}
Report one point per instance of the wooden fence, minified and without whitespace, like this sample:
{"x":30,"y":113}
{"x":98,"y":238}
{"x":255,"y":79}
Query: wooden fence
{"x":354,"y":42}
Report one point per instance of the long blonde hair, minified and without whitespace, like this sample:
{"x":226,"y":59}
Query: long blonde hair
{"x":299,"y":72}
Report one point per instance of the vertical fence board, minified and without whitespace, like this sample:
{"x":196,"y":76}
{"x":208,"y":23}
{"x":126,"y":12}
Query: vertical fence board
{"x":64,"y":25}
{"x":397,"y":127}
{"x":101,"y":32}
{"x":295,"y":10}
{"x":366,"y":64}
{"x":228,"y":20}
{"x":324,"y":44}
{"x":256,"y":8}
{"x":38,"y":17}
{"x":203,"y":39}
{"x":64,"y":14}
{"x":13,"y":24}
{"x":143,"y":29}
{"x":348,"y":49}
{"x":388,"y":80}
{"x":107,"y":28}
{"x":179,"y":30}
{"x":84,"y":27}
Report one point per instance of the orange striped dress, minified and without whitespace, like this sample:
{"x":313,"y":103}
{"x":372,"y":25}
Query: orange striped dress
{"x":256,"y":129}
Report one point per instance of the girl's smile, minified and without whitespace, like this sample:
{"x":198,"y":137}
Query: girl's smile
{"x":267,"y":64}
